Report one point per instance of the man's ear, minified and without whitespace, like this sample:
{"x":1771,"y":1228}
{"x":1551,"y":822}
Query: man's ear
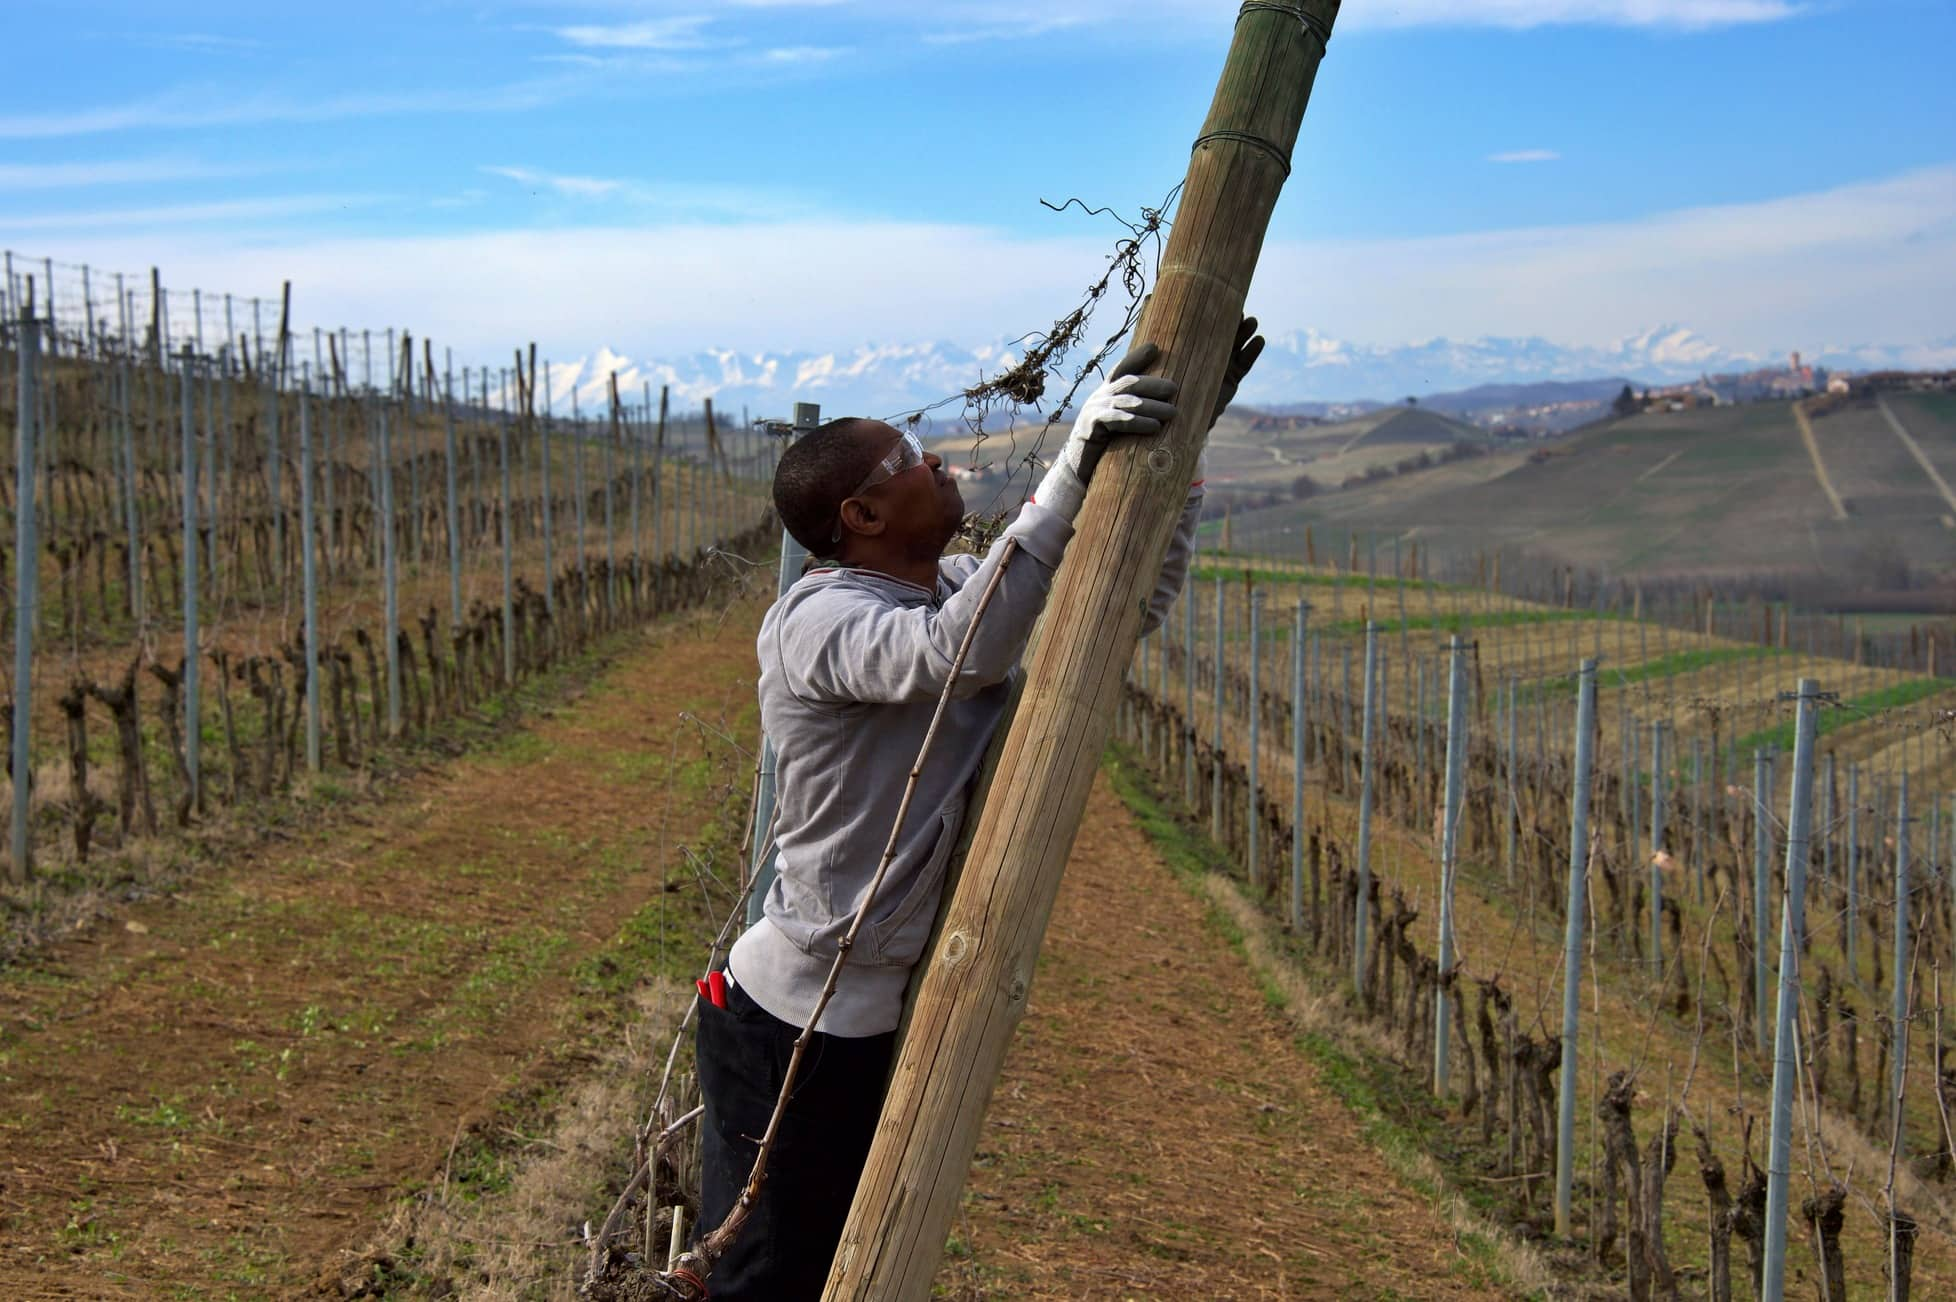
{"x":860,"y":517}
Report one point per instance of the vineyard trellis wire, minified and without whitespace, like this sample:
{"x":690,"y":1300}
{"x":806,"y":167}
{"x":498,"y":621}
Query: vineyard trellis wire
{"x":1718,"y":702}
{"x":164,"y":412}
{"x":1739,"y":605}
{"x":1043,"y":363}
{"x":243,"y":571}
{"x":1703,"y":697}
{"x":1708,"y":693}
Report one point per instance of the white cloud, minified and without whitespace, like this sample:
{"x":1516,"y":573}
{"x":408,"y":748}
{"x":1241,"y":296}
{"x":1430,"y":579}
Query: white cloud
{"x":1013,"y":31}
{"x":1525,"y":156}
{"x":653,"y":289}
{"x":200,"y":42}
{"x":576,"y":187}
{"x":667,"y":199}
{"x":202,"y":214}
{"x":463,"y":199}
{"x":195,"y":108}
{"x":121,"y":171}
{"x":988,"y":19}
{"x":1684,"y":15}
{"x":619,"y":46}
{"x":801,"y":54}
{"x":1872,"y":260}
{"x":646,"y":34}
{"x":1869,"y":262}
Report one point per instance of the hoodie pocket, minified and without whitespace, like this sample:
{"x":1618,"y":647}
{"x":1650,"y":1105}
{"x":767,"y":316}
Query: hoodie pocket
{"x":897,"y":939}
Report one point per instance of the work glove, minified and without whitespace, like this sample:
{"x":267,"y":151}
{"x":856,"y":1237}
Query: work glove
{"x":1248,"y":347}
{"x":1128,"y":403}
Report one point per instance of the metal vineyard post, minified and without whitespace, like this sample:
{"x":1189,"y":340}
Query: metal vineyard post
{"x":1779,"y":1154}
{"x":192,"y":714}
{"x":1360,"y":923}
{"x":1762,"y":868}
{"x":310,"y":579}
{"x":26,"y":582}
{"x":1449,"y":856}
{"x":1565,"y":1130}
{"x":1298,"y":716}
{"x":1254,"y":865}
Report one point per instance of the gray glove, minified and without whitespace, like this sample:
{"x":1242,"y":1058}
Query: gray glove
{"x":1128,"y":403}
{"x":1249,"y":347}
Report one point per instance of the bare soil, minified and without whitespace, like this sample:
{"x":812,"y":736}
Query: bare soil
{"x":220,"y":1094}
{"x":1160,"y":1131}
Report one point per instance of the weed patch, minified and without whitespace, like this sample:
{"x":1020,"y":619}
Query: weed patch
{"x":1895,"y":696}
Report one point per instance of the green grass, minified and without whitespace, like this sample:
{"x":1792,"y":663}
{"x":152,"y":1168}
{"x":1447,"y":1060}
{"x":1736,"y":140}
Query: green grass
{"x":1212,"y":569}
{"x":1279,"y":629}
{"x":1676,"y":664}
{"x":1895,"y":696}
{"x":1466,"y":621}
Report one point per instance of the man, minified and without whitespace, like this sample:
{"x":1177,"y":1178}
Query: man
{"x":854,"y":658}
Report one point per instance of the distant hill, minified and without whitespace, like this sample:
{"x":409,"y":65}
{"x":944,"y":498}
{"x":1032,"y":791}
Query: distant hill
{"x":1421,"y":425}
{"x":1480,"y":398}
{"x":1718,"y":491}
{"x":1484,"y":396}
{"x":1250,"y":454}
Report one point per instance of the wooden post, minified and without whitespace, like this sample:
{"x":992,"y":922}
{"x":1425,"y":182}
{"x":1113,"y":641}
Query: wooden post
{"x":974,"y":989}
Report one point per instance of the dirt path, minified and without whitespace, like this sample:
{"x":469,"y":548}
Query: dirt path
{"x":1819,"y":466}
{"x":1921,"y":457}
{"x":220,"y":1094}
{"x":1159,"y":1132}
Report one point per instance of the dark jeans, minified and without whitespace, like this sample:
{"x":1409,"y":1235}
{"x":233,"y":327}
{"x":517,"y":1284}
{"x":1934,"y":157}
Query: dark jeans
{"x":784,"y":1251}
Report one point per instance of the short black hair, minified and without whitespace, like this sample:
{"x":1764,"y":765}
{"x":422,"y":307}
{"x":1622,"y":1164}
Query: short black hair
{"x":815,"y":474}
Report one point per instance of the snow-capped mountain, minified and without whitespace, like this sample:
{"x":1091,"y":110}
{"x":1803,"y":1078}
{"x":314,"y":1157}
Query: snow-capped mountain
{"x":874,"y":379}
{"x":893,"y":379}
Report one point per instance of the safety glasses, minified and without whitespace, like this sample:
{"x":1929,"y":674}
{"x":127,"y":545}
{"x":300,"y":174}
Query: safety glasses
{"x":908,"y":454}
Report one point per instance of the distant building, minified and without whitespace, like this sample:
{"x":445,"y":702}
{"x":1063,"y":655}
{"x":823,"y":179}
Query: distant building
{"x":1683,"y":397}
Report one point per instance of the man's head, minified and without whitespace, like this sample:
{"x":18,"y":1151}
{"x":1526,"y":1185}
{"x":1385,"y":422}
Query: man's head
{"x":852,"y":490}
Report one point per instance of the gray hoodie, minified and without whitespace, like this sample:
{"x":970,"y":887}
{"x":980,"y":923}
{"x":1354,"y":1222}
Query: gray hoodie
{"x":852,"y":665}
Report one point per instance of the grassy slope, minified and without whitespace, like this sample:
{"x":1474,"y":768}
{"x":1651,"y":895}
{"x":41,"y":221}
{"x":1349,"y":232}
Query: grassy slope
{"x":1722,"y":490}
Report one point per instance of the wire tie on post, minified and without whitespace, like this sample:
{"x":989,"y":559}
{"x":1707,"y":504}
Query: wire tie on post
{"x":1318,"y":27}
{"x":1245,"y":138}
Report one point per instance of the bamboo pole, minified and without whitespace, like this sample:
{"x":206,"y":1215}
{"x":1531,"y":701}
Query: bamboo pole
{"x":973,"y":991}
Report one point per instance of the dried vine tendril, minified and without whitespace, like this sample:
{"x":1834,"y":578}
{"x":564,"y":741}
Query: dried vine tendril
{"x":1043,"y":368}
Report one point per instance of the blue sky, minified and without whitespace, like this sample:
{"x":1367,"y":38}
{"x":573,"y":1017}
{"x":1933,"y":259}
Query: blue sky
{"x":662,"y":178}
